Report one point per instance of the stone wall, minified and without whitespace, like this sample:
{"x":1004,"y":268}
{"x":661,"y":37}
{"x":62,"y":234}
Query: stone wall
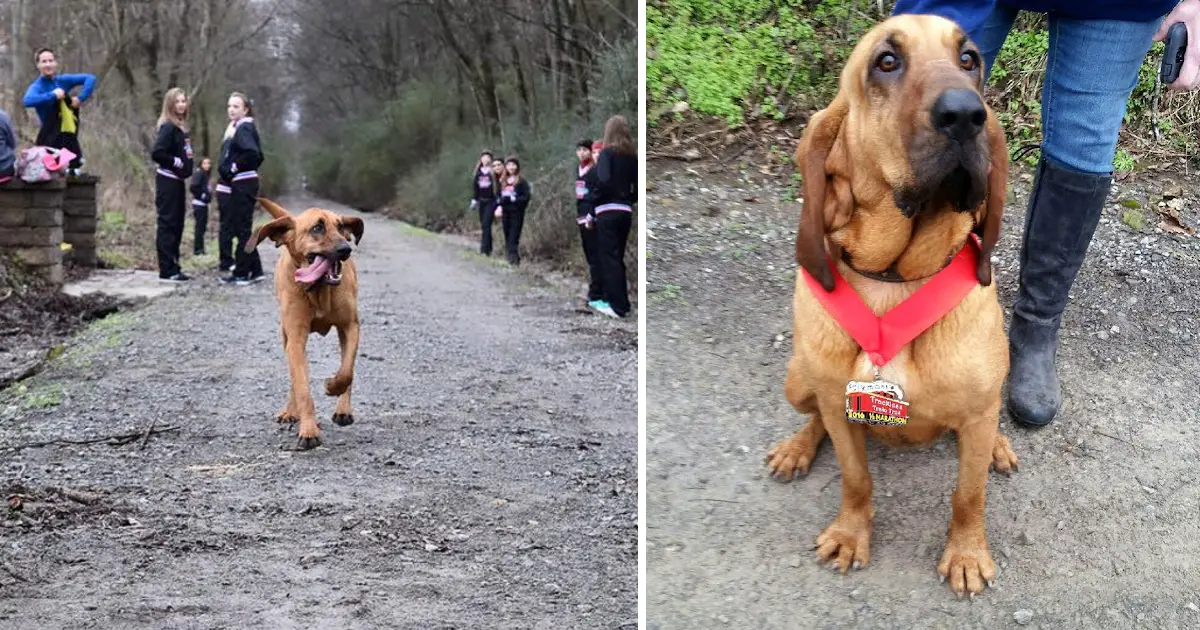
{"x":36,"y":219}
{"x":31,"y":225}
{"x":79,"y":220}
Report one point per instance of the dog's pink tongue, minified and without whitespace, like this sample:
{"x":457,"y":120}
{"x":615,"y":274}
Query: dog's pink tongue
{"x":313,"y":272}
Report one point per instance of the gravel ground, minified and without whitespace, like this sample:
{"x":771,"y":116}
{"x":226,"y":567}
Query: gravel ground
{"x":1097,"y":529}
{"x":489,"y":479}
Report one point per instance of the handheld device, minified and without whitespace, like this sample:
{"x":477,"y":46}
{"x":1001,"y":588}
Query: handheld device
{"x":1176,"y":43}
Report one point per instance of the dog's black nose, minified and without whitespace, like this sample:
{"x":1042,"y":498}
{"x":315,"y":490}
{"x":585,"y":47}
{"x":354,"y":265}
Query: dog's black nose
{"x":342,"y":250}
{"x":959,"y":114}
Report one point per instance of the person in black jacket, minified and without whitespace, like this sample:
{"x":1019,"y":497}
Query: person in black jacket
{"x":483,"y":198}
{"x":237,"y":188}
{"x":201,"y":197}
{"x":514,"y":198}
{"x":172,"y":153}
{"x":614,"y":195}
{"x":585,"y":178}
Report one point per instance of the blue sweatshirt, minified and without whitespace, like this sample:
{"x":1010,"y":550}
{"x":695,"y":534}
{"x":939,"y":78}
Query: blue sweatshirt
{"x":971,"y":14}
{"x":40,"y":94}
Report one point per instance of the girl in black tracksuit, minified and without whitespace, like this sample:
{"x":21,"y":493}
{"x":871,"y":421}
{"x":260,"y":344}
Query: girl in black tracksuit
{"x":201,"y":197}
{"x":514,"y":198}
{"x":237,"y":188}
{"x":483,"y":197}
{"x":172,"y":153}
{"x":615,"y":194}
{"x":585,"y":183}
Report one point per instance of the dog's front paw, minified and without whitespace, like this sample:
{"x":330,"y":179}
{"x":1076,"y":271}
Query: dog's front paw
{"x":337,"y":384}
{"x":846,"y":543}
{"x":286,"y":417}
{"x":967,"y":563}
{"x":343,"y":419}
{"x":308,"y":443}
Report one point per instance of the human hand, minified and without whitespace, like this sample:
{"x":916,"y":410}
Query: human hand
{"x":499,"y":212}
{"x":1187,"y":12}
{"x":75,"y":102}
{"x":59,"y":93}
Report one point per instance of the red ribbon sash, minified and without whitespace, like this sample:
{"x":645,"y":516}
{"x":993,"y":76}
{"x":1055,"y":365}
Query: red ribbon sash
{"x":883,"y":337}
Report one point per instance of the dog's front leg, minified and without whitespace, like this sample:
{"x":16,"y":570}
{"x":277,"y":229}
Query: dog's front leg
{"x":966,"y":560}
{"x":846,"y":542}
{"x":340,"y":384}
{"x":297,"y":356}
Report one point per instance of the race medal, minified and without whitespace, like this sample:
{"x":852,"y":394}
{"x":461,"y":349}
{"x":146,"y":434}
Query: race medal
{"x":877,"y":403}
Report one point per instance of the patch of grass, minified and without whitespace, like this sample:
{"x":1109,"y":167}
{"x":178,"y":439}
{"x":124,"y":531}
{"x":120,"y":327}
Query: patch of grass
{"x":409,"y":229}
{"x":1123,"y":161}
{"x":31,"y":397}
{"x":1134,"y":219}
{"x":114,"y":260}
{"x":100,"y":335}
{"x":668,"y":293}
{"x":1132,"y":204}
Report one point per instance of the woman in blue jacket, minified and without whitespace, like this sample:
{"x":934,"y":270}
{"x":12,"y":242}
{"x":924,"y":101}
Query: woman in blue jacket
{"x":1096,"y":49}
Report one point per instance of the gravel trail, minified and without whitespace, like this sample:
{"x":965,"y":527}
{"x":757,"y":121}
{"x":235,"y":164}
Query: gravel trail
{"x":489,"y":479}
{"x":1099,"y":527}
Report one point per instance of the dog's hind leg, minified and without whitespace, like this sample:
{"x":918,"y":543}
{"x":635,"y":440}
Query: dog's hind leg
{"x":340,"y":384}
{"x":793,"y":456}
{"x":1004,"y":459}
{"x":297,"y":356}
{"x":290,"y":413}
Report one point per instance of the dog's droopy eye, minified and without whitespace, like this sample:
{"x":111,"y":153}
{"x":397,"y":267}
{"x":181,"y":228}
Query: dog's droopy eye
{"x":887,"y":62}
{"x":968,"y":61}
{"x":319,"y":228}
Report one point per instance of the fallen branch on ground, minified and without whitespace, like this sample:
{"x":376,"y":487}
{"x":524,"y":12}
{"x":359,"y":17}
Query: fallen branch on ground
{"x":113,"y":440}
{"x":28,"y":372}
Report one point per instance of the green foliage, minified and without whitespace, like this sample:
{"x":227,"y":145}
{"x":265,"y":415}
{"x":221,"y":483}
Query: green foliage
{"x":741,"y":60}
{"x":409,"y":159}
{"x":737,"y":58}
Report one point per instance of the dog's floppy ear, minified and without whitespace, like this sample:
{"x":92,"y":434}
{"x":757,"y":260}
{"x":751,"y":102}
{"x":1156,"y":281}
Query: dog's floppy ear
{"x":987,"y":220}
{"x":811,"y":156}
{"x":355,"y":225}
{"x":275,"y":230}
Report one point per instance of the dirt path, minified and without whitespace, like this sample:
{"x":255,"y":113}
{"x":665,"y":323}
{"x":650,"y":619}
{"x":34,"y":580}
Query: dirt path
{"x":489,"y":479}
{"x":1098,"y":529}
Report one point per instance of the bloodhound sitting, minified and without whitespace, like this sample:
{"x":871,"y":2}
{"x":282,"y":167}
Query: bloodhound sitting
{"x":904,"y":177}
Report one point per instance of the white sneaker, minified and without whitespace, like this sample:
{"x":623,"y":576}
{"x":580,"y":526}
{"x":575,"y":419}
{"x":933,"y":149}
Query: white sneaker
{"x":604,"y":309}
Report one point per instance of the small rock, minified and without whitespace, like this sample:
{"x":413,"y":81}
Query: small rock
{"x":1193,"y":607}
{"x":553,"y":588}
{"x":1062,"y":524}
{"x":1024,"y":538}
{"x":857,"y":594}
{"x":680,"y":107}
{"x":1023,"y":617}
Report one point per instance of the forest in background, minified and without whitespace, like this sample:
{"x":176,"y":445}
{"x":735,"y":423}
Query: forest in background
{"x":383,"y":105}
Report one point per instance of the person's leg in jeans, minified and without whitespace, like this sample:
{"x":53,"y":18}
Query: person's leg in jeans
{"x":613,"y":233}
{"x":1091,"y":69}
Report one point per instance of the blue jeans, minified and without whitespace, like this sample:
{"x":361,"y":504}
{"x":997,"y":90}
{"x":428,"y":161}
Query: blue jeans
{"x":1091,"y":69}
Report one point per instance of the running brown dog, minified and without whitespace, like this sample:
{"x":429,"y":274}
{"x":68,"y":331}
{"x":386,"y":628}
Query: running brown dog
{"x":316,"y":285}
{"x":904,"y":168}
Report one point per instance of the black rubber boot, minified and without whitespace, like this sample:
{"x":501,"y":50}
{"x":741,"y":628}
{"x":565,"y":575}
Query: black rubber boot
{"x":1063,"y":212}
